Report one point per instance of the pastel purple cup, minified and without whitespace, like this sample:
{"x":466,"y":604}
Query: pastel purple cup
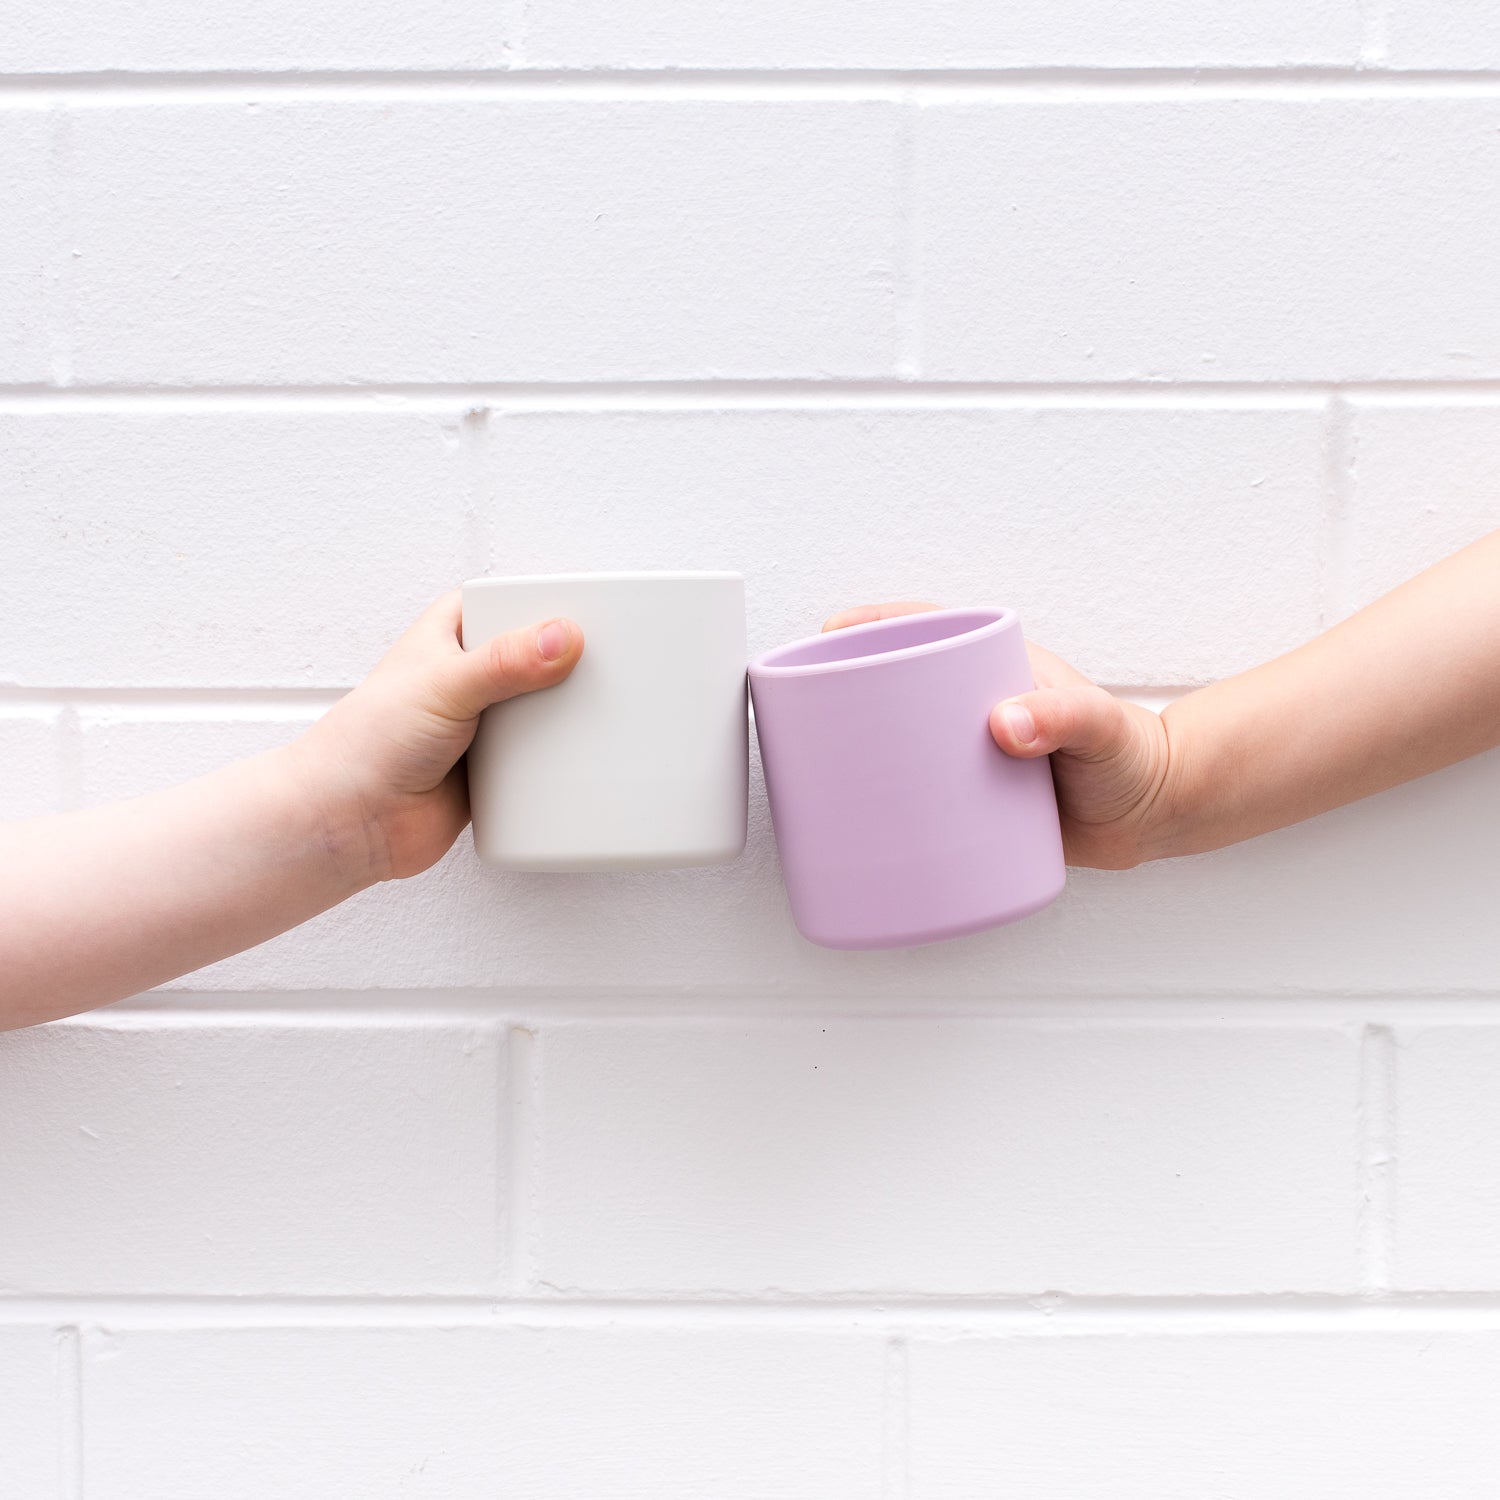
{"x":898,"y":819}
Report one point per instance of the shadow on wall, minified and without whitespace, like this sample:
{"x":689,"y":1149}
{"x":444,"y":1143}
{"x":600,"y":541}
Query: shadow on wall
{"x":1397,"y":893}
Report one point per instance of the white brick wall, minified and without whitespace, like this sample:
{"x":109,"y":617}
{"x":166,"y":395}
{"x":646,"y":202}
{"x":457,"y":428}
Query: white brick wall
{"x":38,"y":1374}
{"x":1377,"y":1415}
{"x":180,"y":549}
{"x":173,"y":35}
{"x":936,"y":1157}
{"x":28,"y":240}
{"x":1221,"y":239}
{"x":1172,"y":325}
{"x":1442,"y":34}
{"x":1447,"y":1178}
{"x":1062,"y":513}
{"x":269,"y":1157}
{"x":962,"y":34}
{"x":352,"y":241}
{"x":1422,"y":483}
{"x":674,"y":1413}
{"x":31,"y":752}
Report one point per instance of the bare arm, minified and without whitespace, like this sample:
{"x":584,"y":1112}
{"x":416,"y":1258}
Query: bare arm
{"x":100,"y":904}
{"x":1404,"y":687}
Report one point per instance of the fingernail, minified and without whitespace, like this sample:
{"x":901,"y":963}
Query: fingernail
{"x":1019,"y":721}
{"x":552,"y":639}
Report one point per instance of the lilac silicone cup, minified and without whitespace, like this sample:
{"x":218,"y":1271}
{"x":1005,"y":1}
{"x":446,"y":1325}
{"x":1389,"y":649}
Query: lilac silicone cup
{"x":898,"y":819}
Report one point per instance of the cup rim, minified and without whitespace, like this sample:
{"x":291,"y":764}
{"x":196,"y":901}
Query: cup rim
{"x":666,"y":576}
{"x":992,"y":620}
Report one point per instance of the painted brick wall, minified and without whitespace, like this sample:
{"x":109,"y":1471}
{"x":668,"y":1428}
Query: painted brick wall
{"x":1173,"y":325}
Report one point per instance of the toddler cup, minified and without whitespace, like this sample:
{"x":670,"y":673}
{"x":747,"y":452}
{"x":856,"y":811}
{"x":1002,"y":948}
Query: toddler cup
{"x":638,"y":760}
{"x":898,"y":819}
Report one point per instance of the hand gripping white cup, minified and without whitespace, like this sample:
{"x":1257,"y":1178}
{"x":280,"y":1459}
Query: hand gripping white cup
{"x":639,"y":760}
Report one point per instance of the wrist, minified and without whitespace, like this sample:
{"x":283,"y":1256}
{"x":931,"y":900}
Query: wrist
{"x":342,"y":825}
{"x":1189,"y":789}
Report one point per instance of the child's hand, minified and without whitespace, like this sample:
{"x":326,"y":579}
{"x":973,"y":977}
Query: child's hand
{"x":1111,"y":761}
{"x":111,"y":900}
{"x":384,"y":761}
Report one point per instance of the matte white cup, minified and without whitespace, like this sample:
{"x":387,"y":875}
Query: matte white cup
{"x":639,"y":760}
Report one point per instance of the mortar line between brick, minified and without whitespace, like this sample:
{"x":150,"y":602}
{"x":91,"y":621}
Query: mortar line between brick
{"x":909,"y":286}
{"x":1375,"y":18}
{"x":1040,"y":1315}
{"x":523,"y":1130}
{"x":59,"y":303}
{"x":517,"y":28}
{"x":70,"y":1404}
{"x":229,"y":701}
{"x":896,"y":1421}
{"x":207,"y":702}
{"x":1333,"y":589}
{"x":714,"y":395}
{"x":705,"y":1005}
{"x":67,"y":738}
{"x":1377,"y":1147}
{"x":1048,"y":83}
{"x":477,"y":436}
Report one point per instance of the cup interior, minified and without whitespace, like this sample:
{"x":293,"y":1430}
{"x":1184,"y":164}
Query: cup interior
{"x":863,"y":644}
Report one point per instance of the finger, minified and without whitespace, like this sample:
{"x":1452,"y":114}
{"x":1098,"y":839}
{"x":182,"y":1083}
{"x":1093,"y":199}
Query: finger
{"x":521,"y":661}
{"x":867,"y":613}
{"x":436,"y":628}
{"x":1082,"y":721}
{"x":442,"y":616}
{"x":1051,"y":671}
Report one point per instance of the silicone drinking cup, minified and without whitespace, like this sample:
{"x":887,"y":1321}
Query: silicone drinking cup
{"x":638,"y":760}
{"x":898,"y":819}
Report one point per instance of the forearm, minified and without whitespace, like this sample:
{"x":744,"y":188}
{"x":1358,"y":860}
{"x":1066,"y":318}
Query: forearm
{"x":103,"y":903}
{"x":1404,"y":687}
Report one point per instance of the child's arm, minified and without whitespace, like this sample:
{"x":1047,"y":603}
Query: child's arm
{"x":1402,"y":688}
{"x":100,"y":904}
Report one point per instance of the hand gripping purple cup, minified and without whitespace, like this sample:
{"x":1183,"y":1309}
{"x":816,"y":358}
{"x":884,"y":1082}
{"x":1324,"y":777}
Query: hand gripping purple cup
{"x":898,"y":819}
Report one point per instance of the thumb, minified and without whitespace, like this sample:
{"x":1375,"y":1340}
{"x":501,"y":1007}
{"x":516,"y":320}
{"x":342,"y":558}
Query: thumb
{"x":1084,"y":721}
{"x":520,"y":661}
